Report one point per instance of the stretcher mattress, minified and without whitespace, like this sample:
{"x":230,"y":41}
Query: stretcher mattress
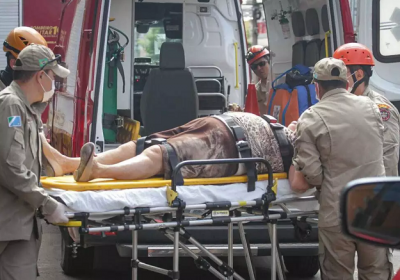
{"x":108,"y":195}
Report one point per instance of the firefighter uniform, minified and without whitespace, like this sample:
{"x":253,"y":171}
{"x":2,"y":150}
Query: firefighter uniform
{"x":253,"y":57}
{"x":262,"y":97}
{"x":20,"y":164}
{"x":391,"y":120}
{"x":20,"y":194}
{"x":358,"y":57}
{"x":331,"y":150}
{"x":2,"y":86}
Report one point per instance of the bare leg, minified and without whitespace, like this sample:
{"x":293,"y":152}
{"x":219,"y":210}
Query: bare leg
{"x":145,"y":165}
{"x":64,"y":165}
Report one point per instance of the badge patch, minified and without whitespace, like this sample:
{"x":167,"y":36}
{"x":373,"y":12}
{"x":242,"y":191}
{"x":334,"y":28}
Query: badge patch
{"x":14,"y":121}
{"x":383,"y":106}
{"x":385,"y":113}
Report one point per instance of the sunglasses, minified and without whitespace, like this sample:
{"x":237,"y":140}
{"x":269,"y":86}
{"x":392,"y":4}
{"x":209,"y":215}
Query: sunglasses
{"x":57,"y":58}
{"x":254,"y":66}
{"x":8,"y":46}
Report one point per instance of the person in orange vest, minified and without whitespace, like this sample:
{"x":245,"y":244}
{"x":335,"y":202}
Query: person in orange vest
{"x":258,"y":57}
{"x":359,"y":61}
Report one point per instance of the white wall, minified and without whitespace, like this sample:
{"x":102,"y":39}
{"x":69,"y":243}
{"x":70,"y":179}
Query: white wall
{"x":122,"y":12}
{"x":9,"y":19}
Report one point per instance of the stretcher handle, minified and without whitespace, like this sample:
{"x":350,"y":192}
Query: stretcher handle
{"x":70,"y":224}
{"x":178,"y":167}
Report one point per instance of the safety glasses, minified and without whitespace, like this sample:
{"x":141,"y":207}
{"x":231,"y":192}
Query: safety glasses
{"x":11,"y":48}
{"x":57,"y":58}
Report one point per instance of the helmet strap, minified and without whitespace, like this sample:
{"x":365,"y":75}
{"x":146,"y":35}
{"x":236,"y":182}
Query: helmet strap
{"x":356,"y":82}
{"x":6,"y":76}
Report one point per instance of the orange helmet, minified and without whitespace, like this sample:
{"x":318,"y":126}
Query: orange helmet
{"x":354,"y":54}
{"x":21,"y":37}
{"x":256,"y":52}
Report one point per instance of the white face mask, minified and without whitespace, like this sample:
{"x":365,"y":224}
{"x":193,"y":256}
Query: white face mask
{"x":48,"y":94}
{"x":348,"y":80}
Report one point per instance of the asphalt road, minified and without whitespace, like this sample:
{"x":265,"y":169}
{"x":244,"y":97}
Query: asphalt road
{"x":108,"y":265}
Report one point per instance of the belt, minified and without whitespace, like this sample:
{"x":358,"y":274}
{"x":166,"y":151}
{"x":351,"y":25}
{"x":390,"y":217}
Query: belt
{"x":243,"y":149}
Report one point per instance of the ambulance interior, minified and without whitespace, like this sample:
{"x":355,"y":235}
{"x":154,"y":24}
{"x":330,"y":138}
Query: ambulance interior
{"x":213,"y":41}
{"x":303,"y":39}
{"x":214,"y":48}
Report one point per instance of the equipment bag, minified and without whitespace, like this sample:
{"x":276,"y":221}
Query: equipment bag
{"x":287,"y":101}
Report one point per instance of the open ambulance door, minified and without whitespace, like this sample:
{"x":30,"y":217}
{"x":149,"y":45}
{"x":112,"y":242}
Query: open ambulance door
{"x":73,"y":36}
{"x":381,"y":34}
{"x":97,"y":66}
{"x":305,"y":31}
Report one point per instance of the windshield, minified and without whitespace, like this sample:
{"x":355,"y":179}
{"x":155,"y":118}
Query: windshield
{"x":149,"y":44}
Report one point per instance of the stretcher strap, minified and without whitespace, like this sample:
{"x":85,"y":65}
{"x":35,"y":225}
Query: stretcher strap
{"x":140,"y":145}
{"x":285,"y":146}
{"x":243,"y":149}
{"x":173,"y":162}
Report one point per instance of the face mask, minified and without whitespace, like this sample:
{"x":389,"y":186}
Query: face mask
{"x":48,"y":94}
{"x":349,"y":89}
{"x":317,"y":91}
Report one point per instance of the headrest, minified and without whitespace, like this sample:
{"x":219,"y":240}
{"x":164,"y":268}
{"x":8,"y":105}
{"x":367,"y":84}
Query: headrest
{"x":312,"y":22}
{"x":172,"y":56}
{"x":325,"y":18}
{"x":298,"y":26}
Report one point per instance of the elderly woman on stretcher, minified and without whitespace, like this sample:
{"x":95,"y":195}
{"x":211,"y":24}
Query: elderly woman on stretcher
{"x":203,"y":138}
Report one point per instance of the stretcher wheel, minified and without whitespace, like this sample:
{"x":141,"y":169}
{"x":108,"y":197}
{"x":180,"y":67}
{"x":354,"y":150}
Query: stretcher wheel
{"x":302,"y":266}
{"x":75,"y":261}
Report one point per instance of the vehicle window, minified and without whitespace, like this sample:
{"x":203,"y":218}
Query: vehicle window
{"x":149,"y":44}
{"x":386,"y":31}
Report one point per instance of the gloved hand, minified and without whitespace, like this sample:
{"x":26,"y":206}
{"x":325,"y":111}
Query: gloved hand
{"x":58,"y":215}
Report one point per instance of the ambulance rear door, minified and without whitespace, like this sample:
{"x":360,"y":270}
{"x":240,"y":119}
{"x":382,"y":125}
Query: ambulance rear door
{"x":378,"y":25}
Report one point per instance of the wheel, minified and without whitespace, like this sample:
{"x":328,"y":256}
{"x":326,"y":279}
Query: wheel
{"x":81,"y":263}
{"x":306,"y":266}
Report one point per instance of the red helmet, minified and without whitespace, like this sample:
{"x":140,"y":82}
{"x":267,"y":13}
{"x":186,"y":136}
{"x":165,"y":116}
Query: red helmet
{"x":256,"y":52}
{"x":354,"y":54}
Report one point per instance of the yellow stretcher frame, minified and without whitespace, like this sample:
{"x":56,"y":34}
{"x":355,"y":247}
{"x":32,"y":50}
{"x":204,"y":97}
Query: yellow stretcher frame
{"x":67,"y":182}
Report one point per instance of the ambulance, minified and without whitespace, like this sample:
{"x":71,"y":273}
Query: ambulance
{"x":114,"y":52}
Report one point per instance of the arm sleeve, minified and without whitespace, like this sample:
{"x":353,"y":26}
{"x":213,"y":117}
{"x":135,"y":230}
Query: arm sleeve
{"x":14,"y":175}
{"x":391,"y":144}
{"x":306,"y":155}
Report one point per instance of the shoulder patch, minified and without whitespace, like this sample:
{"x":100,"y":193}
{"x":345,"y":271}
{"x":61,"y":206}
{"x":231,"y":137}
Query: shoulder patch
{"x":385,"y":113}
{"x":14,"y":121}
{"x":383,"y":106}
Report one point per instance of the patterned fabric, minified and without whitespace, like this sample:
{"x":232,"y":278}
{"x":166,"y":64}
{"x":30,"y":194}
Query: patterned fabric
{"x":261,"y":140}
{"x":203,"y":138}
{"x":210,"y":138}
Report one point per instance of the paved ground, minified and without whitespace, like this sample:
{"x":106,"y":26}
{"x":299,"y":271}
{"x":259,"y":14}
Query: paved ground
{"x":109,"y":266}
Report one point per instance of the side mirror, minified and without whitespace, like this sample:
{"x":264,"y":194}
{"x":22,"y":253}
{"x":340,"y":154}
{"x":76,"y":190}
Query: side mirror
{"x":370,"y":210}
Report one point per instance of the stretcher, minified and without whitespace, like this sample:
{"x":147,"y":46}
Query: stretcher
{"x":169,"y":208}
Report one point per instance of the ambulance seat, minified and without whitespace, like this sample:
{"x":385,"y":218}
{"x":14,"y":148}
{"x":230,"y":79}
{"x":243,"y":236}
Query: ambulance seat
{"x":314,"y":45}
{"x":170,"y":96}
{"x":325,"y":27}
{"x":299,"y":31}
